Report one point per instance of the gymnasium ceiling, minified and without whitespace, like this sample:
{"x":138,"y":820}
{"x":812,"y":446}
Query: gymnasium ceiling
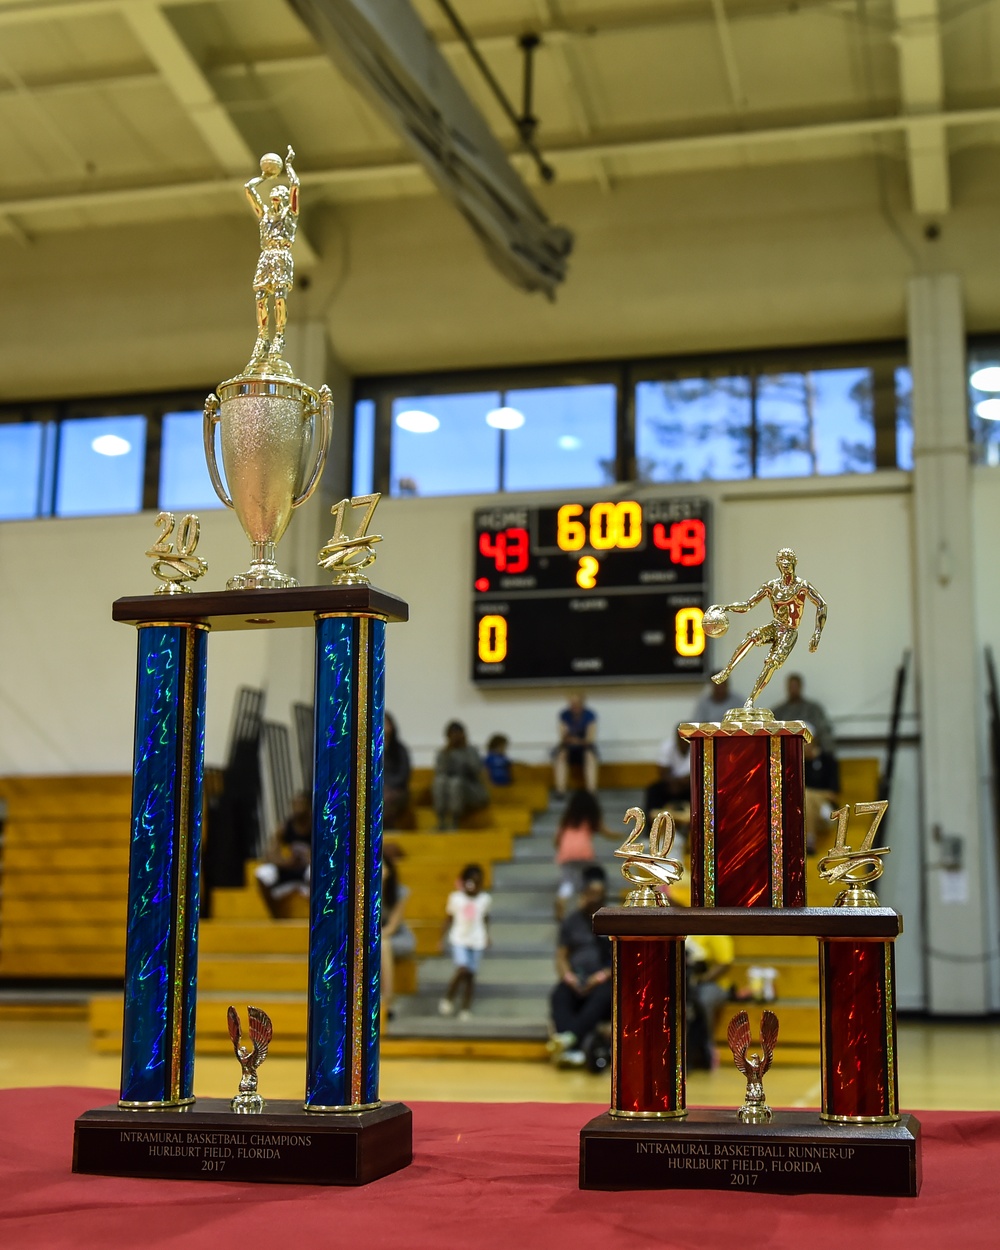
{"x":117,"y":111}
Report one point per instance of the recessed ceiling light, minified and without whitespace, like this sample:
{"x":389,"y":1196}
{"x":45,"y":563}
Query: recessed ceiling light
{"x":505,"y":419}
{"x":570,"y":442}
{"x":111,"y":445}
{"x":417,"y":422}
{"x":986,"y":379}
{"x":988,"y":409}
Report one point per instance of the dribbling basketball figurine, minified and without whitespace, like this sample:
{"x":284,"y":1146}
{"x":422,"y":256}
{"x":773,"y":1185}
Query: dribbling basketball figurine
{"x":787,"y":594}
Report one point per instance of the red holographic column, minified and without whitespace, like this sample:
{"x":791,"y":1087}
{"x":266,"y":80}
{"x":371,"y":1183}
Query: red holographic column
{"x":793,"y":818}
{"x":747,"y":818}
{"x":742,"y":822}
{"x":858,"y":1031}
{"x":648,"y":1043}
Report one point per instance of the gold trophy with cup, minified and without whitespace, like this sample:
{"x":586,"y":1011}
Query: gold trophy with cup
{"x":274,"y":429}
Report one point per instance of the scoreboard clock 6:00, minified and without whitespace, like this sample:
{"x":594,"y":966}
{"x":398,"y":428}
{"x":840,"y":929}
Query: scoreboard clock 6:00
{"x":610,"y":590}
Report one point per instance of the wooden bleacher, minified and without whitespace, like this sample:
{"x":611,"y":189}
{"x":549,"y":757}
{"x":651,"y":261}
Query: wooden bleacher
{"x":63,"y":905}
{"x":65,"y":877}
{"x":246,"y":956}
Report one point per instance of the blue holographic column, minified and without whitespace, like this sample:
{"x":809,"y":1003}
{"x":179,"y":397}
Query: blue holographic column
{"x":342,"y":1048}
{"x":161,"y":954}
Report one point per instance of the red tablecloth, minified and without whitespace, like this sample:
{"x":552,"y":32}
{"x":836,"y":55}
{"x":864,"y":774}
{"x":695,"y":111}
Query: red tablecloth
{"x":493,"y":1176}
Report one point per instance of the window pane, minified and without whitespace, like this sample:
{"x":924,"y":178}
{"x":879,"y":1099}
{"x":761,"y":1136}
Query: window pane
{"x":185,"y":485}
{"x":820,"y":421}
{"x":904,"y":419}
{"x":20,"y":465}
{"x":101,"y":480}
{"x":460,"y":457}
{"x":984,"y":405}
{"x":568,"y":438}
{"x":692,"y":429}
{"x":364,"y":446}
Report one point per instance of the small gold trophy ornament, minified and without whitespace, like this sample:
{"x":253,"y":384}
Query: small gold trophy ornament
{"x":248,"y":1101}
{"x":346,"y":555}
{"x":753,"y":1066}
{"x":647,"y":871}
{"x":172,"y":568}
{"x":856,"y":869}
{"x":787,"y":594}
{"x":275,"y":430}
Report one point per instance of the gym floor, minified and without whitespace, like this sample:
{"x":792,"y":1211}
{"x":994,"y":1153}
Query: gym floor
{"x":941,"y":1066}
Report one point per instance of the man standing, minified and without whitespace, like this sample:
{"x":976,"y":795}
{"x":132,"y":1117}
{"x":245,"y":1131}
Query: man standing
{"x":797,"y":707}
{"x":715,"y":702}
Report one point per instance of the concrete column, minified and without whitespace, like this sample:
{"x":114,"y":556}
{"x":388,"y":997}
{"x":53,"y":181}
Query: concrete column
{"x":948,"y":663}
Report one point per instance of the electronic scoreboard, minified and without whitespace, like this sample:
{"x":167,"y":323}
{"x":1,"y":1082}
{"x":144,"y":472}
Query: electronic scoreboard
{"x":613,"y":590}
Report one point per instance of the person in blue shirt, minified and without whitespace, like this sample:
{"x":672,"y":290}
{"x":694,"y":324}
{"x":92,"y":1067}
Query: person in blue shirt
{"x":577,"y":746}
{"x":498,"y":766}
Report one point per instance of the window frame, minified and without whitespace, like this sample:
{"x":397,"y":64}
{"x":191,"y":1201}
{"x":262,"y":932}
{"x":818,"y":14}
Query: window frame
{"x":53,"y":414}
{"x":882,"y":357}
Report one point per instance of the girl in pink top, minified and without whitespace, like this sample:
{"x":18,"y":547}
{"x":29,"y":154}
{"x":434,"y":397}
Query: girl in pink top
{"x":574,"y":842}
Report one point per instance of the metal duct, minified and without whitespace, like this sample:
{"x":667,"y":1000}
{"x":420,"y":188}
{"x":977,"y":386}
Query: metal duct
{"x":385,"y":50}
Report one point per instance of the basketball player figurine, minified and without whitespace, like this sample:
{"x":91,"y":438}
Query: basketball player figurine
{"x":787,"y":594}
{"x":279,"y":218}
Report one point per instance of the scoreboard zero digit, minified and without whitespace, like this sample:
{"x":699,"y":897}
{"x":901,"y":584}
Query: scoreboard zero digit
{"x":612,"y":590}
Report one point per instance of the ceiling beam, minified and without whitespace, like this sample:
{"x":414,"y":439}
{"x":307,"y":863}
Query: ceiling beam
{"x":562,"y":155}
{"x":613,"y":19}
{"x":921,"y":89}
{"x":571,"y":71}
{"x":183,"y":75}
{"x":196,"y":96}
{"x":724,"y":32}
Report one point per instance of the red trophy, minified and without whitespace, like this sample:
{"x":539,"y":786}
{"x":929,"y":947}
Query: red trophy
{"x":748,"y":878}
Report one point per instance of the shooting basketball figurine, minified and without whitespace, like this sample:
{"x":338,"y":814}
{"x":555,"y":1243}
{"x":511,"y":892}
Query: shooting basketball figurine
{"x":279,"y":218}
{"x":274,"y":430}
{"x":787,"y":594}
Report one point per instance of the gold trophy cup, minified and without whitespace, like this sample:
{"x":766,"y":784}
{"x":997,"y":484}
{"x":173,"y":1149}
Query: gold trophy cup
{"x":272,"y":424}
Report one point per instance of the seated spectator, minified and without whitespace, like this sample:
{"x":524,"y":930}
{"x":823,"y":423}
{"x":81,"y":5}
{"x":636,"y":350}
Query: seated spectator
{"x":458,"y":786}
{"x":822,"y":777}
{"x":286,"y":869}
{"x":674,"y":782}
{"x":714,"y":702}
{"x":709,"y":963}
{"x":398,"y":940}
{"x":498,"y":766}
{"x":574,"y":843}
{"x":577,"y":747}
{"x":581,"y":1002}
{"x":396,"y":810}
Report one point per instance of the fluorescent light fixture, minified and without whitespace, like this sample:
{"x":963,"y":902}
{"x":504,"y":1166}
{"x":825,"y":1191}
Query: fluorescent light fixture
{"x":505,"y":419}
{"x":569,"y":442}
{"x":986,"y":379}
{"x":111,"y":445}
{"x":417,"y":422}
{"x":988,"y":409}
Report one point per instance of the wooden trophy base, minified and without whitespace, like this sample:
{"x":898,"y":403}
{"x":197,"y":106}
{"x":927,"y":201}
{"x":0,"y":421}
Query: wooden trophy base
{"x":209,"y":1141}
{"x":795,"y":1153}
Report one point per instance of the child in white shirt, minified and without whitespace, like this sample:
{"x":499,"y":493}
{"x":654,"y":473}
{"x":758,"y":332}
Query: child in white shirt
{"x":468,"y":935}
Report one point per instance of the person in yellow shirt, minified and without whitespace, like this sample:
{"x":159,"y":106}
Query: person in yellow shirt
{"x":709,"y":966}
